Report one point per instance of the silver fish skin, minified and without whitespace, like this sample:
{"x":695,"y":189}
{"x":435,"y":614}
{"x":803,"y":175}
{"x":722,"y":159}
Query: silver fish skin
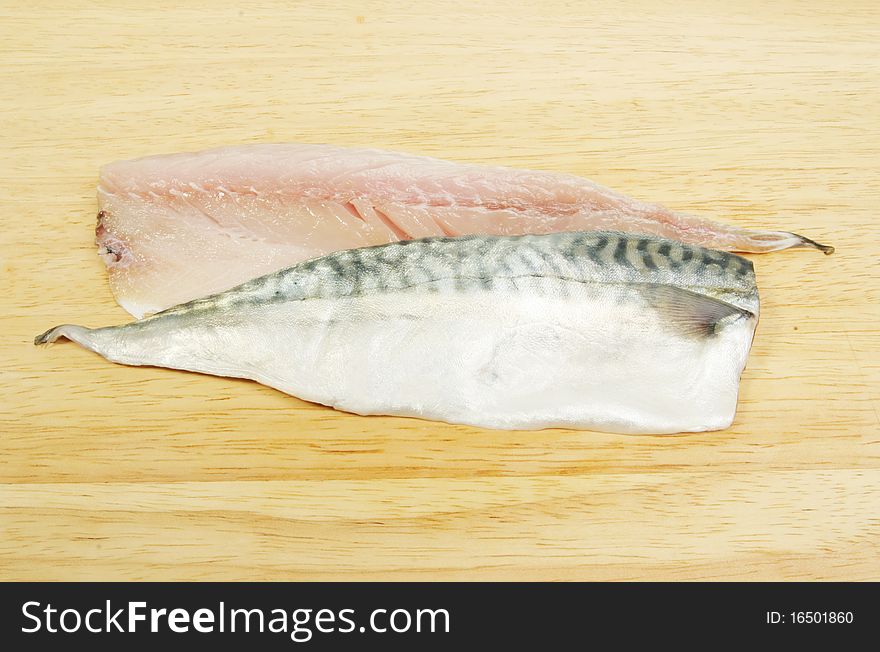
{"x":594,"y":330}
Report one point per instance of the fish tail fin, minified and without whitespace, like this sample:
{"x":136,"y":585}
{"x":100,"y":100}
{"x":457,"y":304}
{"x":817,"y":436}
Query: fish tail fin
{"x":78,"y":334}
{"x":754,"y":241}
{"x":103,"y":341}
{"x":807,"y":242}
{"x":729,"y":237}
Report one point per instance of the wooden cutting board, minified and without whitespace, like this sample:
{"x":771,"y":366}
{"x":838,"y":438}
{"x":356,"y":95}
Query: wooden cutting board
{"x":761,"y":115}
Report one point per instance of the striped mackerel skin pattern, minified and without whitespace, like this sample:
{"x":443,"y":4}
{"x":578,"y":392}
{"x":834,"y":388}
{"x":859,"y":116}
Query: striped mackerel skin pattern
{"x":449,"y":265}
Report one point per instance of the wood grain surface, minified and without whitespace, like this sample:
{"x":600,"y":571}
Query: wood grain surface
{"x":761,"y":114}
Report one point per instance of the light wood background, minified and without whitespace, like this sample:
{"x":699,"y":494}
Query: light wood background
{"x":765,"y":114}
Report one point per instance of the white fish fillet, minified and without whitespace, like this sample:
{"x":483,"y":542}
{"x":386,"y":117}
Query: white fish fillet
{"x":177,"y":227}
{"x":595,"y":330}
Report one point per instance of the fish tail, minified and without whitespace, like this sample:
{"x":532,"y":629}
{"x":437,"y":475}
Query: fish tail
{"x":728,"y":237}
{"x":78,"y":334}
{"x":146,"y":342}
{"x":103,"y":341}
{"x":764,"y":241}
{"x":759,"y":241}
{"x":806,"y":242}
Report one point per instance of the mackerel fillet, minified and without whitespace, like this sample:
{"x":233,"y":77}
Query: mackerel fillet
{"x":177,"y":227}
{"x":596,"y":330}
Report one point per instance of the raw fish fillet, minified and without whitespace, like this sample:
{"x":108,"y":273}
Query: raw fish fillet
{"x":175,"y":228}
{"x":607,"y":331}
